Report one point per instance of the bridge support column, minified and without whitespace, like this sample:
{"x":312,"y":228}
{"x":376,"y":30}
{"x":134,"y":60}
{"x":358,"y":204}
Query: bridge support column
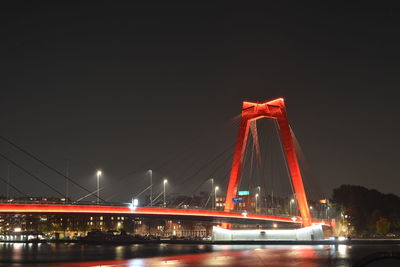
{"x":274,"y":109}
{"x":237,"y":164}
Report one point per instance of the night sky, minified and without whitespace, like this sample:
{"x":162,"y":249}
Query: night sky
{"x":126,"y":88}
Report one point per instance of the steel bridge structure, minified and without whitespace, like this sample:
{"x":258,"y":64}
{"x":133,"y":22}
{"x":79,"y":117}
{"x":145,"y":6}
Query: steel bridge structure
{"x":251,"y":111}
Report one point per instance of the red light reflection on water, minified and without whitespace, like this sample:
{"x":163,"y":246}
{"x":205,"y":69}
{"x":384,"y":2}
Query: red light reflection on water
{"x":293,"y":256}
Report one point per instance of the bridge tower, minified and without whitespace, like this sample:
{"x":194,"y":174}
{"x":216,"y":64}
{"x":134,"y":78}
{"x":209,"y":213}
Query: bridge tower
{"x":274,"y":109}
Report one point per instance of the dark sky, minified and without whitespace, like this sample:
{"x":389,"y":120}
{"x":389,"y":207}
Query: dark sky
{"x":126,"y":88}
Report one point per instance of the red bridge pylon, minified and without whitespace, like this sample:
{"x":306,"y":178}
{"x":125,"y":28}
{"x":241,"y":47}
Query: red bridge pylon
{"x":274,"y":109}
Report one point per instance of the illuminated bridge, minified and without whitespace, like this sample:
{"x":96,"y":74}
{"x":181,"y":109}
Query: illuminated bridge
{"x":251,"y":112}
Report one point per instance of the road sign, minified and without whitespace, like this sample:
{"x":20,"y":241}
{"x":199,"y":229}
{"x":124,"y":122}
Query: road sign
{"x":244,"y":193}
{"x":237,"y":200}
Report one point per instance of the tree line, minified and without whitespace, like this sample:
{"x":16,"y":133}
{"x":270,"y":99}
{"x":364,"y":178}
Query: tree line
{"x":367,"y":211}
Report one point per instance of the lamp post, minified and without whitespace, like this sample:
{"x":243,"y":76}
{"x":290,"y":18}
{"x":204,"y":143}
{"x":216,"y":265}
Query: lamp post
{"x":211,"y":193}
{"x":256,"y":201}
{"x":290,"y":206}
{"x":66,"y":181}
{"x":215,"y":196}
{"x":8,"y":182}
{"x":259,"y":194}
{"x":151,"y":187}
{"x":165,"y":182}
{"x":98,"y":185}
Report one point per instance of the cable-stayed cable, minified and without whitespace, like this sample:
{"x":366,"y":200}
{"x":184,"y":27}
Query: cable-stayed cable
{"x":206,"y":164}
{"x":217,"y":167}
{"x":45,"y":164}
{"x":187,"y":148}
{"x":31,"y":174}
{"x":308,"y":174}
{"x":15,"y":188}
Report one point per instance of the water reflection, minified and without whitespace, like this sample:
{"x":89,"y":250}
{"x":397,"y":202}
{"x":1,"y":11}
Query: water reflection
{"x":342,"y":250}
{"x":184,"y":255}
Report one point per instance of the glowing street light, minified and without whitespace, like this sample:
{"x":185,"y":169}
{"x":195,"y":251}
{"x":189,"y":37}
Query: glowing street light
{"x":290,"y":205}
{"x":211,"y":194}
{"x":98,"y":185}
{"x":215,"y":196}
{"x":134,"y":204}
{"x":164,"y":183}
{"x":256,"y":202}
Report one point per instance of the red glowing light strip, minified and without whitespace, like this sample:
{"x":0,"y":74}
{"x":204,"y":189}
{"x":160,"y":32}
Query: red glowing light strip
{"x":53,"y":208}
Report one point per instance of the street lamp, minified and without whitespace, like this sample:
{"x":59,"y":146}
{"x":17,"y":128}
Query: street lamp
{"x":256,"y":202}
{"x":165,"y":182}
{"x":326,"y":212}
{"x":290,"y":205}
{"x":98,"y":185}
{"x":151,"y":187}
{"x":215,"y":196}
{"x":211,"y":193}
{"x":134,"y":204}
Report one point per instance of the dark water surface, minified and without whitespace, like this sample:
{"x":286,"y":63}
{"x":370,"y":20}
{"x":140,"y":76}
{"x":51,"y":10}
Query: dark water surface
{"x":193,"y":255}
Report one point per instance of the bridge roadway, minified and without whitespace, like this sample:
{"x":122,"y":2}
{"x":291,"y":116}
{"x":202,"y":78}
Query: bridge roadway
{"x":151,"y":211}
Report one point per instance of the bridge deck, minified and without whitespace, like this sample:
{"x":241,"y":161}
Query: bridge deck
{"x":93,"y":209}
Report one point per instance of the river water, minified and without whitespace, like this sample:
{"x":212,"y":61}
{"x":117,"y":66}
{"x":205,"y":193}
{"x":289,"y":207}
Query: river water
{"x":17,"y":254}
